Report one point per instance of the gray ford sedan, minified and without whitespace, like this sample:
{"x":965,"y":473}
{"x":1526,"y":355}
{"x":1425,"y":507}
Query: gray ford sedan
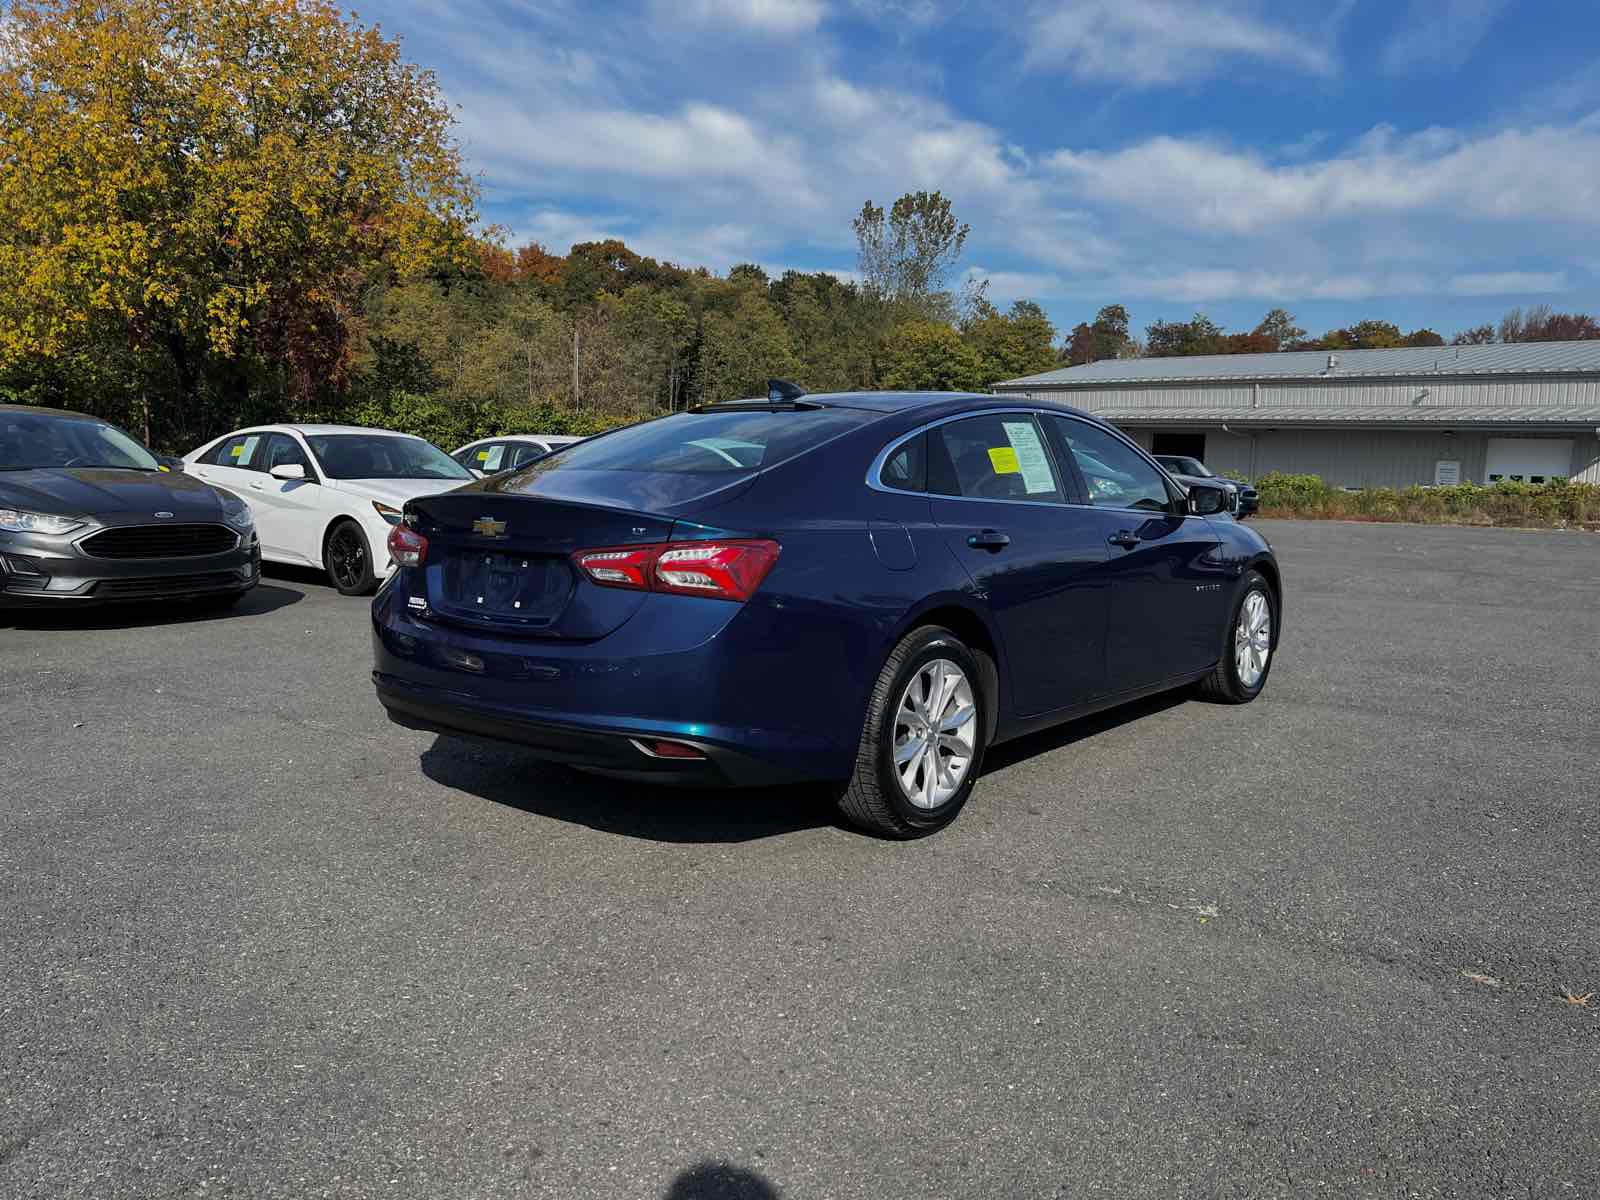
{"x":90,"y":516}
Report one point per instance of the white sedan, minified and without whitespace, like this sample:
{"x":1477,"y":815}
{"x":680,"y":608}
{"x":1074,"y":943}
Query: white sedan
{"x":489,"y":456}
{"x":327,"y":495}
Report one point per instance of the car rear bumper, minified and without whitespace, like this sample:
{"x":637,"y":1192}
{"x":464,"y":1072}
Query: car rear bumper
{"x":588,"y":744}
{"x":681,"y":668}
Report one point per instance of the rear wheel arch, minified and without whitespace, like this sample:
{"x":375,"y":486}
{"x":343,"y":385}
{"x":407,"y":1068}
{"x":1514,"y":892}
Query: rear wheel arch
{"x":976,"y":635}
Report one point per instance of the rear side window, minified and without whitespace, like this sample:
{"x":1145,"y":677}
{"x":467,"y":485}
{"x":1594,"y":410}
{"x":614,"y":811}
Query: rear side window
{"x":709,"y":443}
{"x":992,"y":457}
{"x":906,"y":470}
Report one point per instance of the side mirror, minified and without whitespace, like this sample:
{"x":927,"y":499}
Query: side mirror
{"x":1206,"y":499}
{"x":289,"y":471}
{"x":169,"y":464}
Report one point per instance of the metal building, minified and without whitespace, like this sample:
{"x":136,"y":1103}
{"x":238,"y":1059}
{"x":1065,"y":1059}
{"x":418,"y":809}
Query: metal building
{"x":1358,"y":418}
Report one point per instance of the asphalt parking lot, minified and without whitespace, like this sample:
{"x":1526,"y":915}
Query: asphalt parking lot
{"x":256,"y":941}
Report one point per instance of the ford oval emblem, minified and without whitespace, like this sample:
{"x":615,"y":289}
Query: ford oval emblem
{"x":163,"y":514}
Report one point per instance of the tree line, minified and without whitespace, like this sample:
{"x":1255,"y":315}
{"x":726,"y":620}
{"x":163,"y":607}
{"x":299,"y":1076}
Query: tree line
{"x":220,"y":212}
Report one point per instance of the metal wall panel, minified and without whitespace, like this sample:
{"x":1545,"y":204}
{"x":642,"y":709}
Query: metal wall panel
{"x":1333,"y":394}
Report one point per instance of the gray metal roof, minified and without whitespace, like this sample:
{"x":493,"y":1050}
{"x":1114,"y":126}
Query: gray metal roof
{"x":1519,"y":358}
{"x":1520,"y":415}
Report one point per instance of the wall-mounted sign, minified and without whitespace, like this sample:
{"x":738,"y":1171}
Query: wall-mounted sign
{"x":1446,"y":471}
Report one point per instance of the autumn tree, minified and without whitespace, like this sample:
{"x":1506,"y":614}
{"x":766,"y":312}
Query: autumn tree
{"x":1170,"y":339}
{"x":203,"y":187}
{"x":1478,"y":335}
{"x":1541,"y":324}
{"x":1279,"y":328}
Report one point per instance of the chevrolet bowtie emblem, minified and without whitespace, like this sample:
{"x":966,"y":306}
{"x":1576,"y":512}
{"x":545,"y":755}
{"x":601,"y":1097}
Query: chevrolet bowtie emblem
{"x":488,"y":527}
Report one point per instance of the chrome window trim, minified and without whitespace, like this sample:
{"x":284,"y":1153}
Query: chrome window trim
{"x":876,"y":469}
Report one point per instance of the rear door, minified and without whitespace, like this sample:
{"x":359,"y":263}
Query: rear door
{"x":1168,"y":590}
{"x":234,"y":465}
{"x":1001,"y":503}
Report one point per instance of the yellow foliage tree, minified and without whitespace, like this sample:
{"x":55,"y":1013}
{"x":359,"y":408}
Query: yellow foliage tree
{"x":212,"y":182}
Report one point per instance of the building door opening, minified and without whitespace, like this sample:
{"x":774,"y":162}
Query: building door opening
{"x":1190,"y":445}
{"x":1528,"y":460}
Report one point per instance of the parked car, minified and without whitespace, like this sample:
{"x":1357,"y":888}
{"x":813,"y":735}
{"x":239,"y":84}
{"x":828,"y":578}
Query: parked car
{"x":488,"y":456}
{"x":88,"y":515}
{"x":327,"y":495}
{"x":1243,"y":499}
{"x":869,"y":590}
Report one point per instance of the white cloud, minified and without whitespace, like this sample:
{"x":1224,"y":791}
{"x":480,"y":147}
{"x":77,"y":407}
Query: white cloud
{"x":1546,"y":173}
{"x":1509,"y":283}
{"x":766,"y":16}
{"x":1162,"y":41}
{"x":1439,"y":35}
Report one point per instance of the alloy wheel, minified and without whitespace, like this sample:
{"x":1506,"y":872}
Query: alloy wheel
{"x":346,"y":557}
{"x":1252,"y":639}
{"x":935,"y":733}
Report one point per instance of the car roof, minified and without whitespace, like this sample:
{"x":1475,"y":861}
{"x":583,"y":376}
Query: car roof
{"x":40,"y":410}
{"x":553,"y":439}
{"x":317,"y":430}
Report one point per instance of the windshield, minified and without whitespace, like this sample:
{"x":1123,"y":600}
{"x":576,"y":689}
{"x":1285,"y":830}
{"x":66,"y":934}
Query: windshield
{"x":375,"y":456}
{"x":30,"y":441}
{"x":1180,"y":464}
{"x":710,"y":443}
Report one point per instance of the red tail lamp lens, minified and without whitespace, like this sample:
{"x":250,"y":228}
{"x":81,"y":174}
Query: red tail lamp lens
{"x":729,"y":570}
{"x":407,"y":547}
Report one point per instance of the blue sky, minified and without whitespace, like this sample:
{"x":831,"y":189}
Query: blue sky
{"x":1432,"y":162}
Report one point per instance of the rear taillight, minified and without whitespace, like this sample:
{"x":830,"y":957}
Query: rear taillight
{"x":407,"y":547}
{"x":723,"y":570}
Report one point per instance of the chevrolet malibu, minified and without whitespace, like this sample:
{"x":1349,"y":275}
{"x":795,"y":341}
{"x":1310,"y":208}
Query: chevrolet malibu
{"x":89,"y":516}
{"x":863,"y":590}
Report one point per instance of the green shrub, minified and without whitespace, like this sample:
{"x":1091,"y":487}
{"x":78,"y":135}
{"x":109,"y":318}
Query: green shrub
{"x":1560,"y":503}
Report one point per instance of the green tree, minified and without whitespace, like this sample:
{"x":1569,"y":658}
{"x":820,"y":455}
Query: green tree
{"x":929,"y":356}
{"x":740,"y":350}
{"x":1170,"y":339}
{"x":907,"y":255}
{"x":1110,"y":327}
{"x":1008,"y":347}
{"x":198,"y":190}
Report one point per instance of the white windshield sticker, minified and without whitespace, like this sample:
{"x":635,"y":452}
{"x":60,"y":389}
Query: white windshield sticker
{"x":1031,"y":460}
{"x":490,"y":458}
{"x":246,"y":454}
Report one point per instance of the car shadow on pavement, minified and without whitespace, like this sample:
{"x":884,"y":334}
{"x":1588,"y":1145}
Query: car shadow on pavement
{"x":1009,"y":754}
{"x":719,"y":1181}
{"x":261,"y":599}
{"x":504,"y":775}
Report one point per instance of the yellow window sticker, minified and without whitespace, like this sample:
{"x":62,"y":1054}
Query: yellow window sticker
{"x":237,"y":450}
{"x":1004,"y":460}
{"x":483,"y":455}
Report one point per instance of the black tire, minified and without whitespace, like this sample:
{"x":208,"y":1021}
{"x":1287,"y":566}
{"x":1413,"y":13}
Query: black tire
{"x":1224,"y":684}
{"x":348,"y":559}
{"x":873,"y":798}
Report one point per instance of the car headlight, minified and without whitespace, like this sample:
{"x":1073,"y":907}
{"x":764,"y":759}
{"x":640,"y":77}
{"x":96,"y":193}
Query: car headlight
{"x":237,"y":513}
{"x":20,"y":520}
{"x":388,"y":512}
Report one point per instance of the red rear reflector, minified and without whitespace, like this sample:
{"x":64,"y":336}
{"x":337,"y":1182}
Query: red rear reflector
{"x":723,"y":570}
{"x":674,"y":750}
{"x":407,"y":547}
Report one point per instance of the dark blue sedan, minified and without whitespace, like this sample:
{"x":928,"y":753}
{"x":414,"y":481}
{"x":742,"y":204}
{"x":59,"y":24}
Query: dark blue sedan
{"x":866,"y":590}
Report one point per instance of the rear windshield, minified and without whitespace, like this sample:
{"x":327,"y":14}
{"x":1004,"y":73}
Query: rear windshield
{"x":715,"y":443}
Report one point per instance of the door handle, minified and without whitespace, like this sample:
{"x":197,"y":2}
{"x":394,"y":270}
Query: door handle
{"x":258,"y":485}
{"x":989,"y":539}
{"x":1124,"y":539}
